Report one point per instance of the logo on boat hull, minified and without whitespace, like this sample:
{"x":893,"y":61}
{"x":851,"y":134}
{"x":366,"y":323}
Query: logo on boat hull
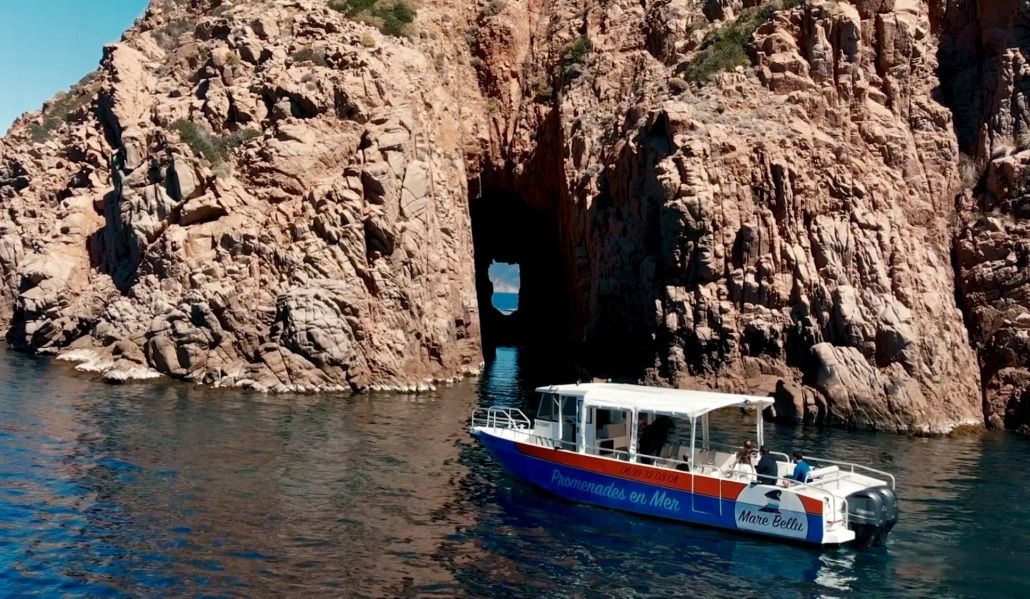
{"x":766,"y":509}
{"x":772,"y":502}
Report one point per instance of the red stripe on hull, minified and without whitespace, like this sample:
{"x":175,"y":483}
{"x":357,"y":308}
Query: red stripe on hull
{"x":652,"y":475}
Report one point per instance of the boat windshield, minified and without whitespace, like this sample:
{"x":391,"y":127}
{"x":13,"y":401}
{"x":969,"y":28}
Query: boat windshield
{"x":548,"y":409}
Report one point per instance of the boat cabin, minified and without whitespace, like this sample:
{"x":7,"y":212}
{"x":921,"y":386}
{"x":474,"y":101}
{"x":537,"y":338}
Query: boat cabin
{"x":651,"y":425}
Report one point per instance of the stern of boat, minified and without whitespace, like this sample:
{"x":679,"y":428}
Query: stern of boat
{"x":870,"y":502}
{"x":872,"y":514}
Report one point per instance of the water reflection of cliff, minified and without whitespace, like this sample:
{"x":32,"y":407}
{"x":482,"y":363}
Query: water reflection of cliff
{"x":187,"y":489}
{"x":343,"y":494}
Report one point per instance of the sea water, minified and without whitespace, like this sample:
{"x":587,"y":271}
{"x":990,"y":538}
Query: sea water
{"x":506,"y":303}
{"x":171,"y":490}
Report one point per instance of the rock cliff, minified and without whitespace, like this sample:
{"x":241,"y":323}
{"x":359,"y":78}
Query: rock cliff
{"x":259,"y":194}
{"x":822,"y":200}
{"x":986,"y":78}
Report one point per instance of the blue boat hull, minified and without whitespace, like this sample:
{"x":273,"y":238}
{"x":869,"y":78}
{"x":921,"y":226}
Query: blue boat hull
{"x":753,"y":509}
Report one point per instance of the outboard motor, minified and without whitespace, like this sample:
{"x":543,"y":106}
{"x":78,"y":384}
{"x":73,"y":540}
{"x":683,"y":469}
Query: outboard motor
{"x":872,"y":513}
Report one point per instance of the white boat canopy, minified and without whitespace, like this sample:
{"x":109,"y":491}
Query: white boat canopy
{"x":682,"y":403}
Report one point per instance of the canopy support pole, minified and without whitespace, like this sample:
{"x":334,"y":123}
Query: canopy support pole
{"x":693,"y":435}
{"x":760,"y":435}
{"x":561,"y":421}
{"x":634,"y":425}
{"x":581,"y":432}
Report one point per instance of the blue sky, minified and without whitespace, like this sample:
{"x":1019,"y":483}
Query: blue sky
{"x":48,"y":45}
{"x":504,"y":276}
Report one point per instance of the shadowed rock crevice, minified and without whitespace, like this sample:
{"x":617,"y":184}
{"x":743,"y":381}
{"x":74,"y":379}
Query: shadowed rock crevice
{"x":505,"y":228}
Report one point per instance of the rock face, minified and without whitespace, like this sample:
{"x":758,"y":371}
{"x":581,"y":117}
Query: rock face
{"x":987,"y":81}
{"x":787,"y":228}
{"x":267,"y":194}
{"x":250,"y":197}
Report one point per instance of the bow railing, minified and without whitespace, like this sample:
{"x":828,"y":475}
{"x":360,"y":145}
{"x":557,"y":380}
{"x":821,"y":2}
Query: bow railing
{"x":499,"y":417}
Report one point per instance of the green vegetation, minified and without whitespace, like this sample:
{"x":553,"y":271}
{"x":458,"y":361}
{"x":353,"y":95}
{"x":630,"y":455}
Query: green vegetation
{"x":493,"y":7}
{"x":574,"y":58}
{"x":392,"y":17}
{"x":309,"y":54}
{"x":725,"y":48}
{"x":545,"y":87}
{"x":214,"y":148}
{"x":167,"y":35}
{"x":578,"y":51}
{"x":678,"y":85}
{"x":63,"y":106}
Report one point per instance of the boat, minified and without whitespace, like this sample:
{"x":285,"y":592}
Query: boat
{"x":647,"y":450}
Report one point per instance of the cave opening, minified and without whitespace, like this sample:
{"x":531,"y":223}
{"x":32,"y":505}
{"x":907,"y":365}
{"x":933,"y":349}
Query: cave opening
{"x":513,"y":236}
{"x":505,"y":278}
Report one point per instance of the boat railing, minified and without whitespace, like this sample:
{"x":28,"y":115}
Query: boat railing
{"x":848,"y":466}
{"x":853,"y":467}
{"x":605,"y":452}
{"x":734,"y":449}
{"x":500,"y":417}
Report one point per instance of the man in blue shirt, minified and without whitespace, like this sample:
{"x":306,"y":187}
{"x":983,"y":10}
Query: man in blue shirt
{"x":801,"y":468}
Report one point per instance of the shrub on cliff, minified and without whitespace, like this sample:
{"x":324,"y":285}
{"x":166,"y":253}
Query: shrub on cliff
{"x":492,"y":8}
{"x":578,"y":51}
{"x":168,"y":35}
{"x":725,"y":48}
{"x":63,"y":106}
{"x":549,"y":86}
{"x":309,"y":54}
{"x":214,"y":148}
{"x":392,"y":17}
{"x":575,"y":56}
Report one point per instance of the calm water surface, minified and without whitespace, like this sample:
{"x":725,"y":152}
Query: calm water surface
{"x":505,"y":302}
{"x":170,"y":490}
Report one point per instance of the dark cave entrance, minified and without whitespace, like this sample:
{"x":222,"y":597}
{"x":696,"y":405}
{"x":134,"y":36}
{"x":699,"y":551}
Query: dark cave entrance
{"x":507,"y":229}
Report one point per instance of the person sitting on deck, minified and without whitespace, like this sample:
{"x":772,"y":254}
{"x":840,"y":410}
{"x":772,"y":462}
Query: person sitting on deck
{"x":801,"y":467}
{"x":767,"y":470}
{"x":653,"y":438}
{"x":745,"y":455}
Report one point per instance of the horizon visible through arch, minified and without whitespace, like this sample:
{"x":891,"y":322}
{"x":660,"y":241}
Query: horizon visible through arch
{"x":506,"y":279}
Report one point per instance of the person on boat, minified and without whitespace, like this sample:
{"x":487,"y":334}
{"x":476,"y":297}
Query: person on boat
{"x":801,"y":467}
{"x":746,"y":454}
{"x":767,"y":470}
{"x":653,"y":437}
